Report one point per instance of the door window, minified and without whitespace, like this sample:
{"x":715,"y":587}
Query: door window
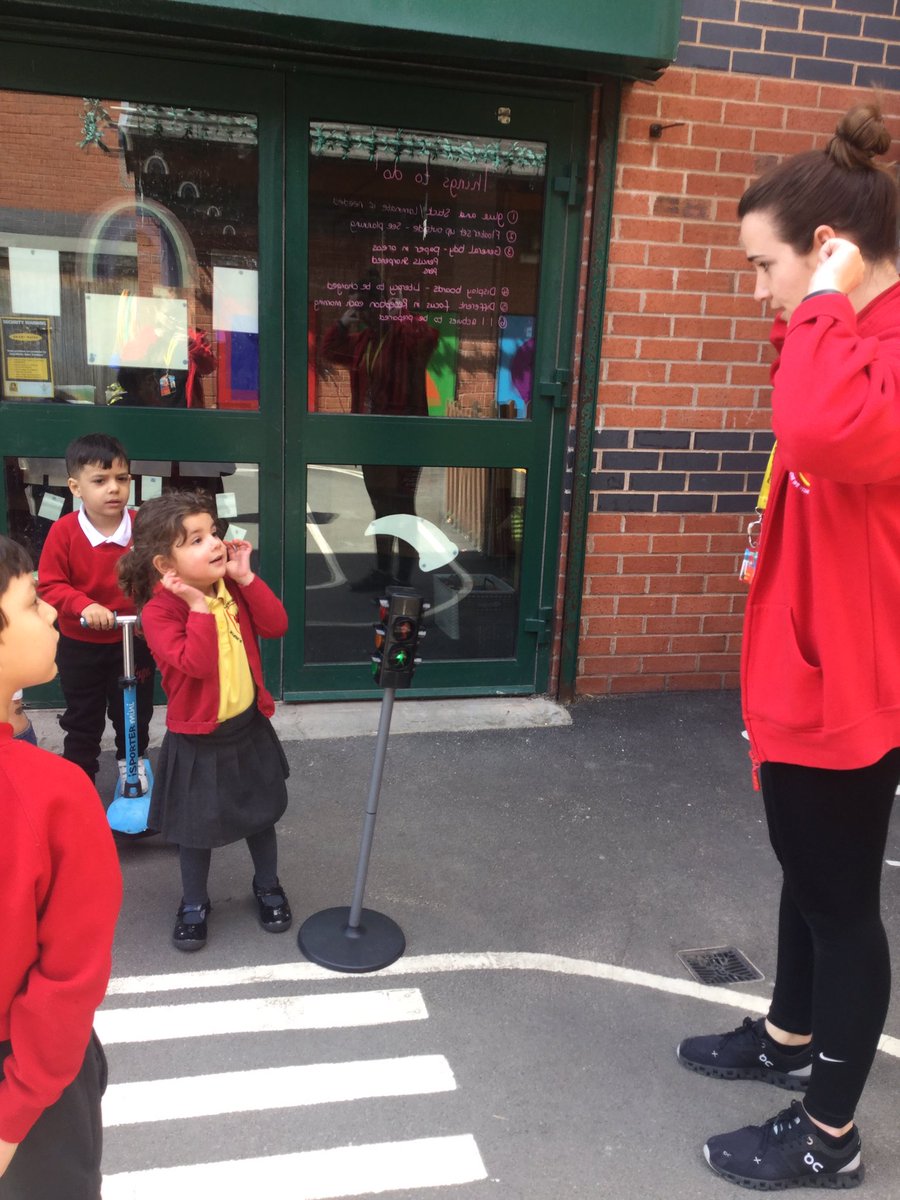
{"x":453,"y":533}
{"x":37,"y":494}
{"x":128,"y":254}
{"x":424,"y":252}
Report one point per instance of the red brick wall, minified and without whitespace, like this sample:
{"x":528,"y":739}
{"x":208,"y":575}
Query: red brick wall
{"x":683,"y":399}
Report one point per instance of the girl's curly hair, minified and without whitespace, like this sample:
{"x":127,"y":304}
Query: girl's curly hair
{"x":158,"y":526}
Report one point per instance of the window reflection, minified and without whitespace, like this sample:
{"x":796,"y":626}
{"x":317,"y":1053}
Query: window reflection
{"x":424,"y":262}
{"x":477,"y":511}
{"x":37,"y":494}
{"x":135,"y":283}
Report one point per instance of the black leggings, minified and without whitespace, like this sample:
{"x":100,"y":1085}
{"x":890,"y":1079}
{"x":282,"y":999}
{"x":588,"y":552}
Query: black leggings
{"x":833,"y":977}
{"x":263,"y":849}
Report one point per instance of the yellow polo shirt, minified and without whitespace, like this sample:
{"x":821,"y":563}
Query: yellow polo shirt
{"x":237,"y":690}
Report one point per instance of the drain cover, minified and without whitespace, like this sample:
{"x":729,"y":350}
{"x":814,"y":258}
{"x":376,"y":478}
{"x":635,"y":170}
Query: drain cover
{"x":718,"y":965}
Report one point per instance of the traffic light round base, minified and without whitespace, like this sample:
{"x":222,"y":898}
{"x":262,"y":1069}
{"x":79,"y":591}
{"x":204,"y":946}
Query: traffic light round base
{"x":326,"y":938}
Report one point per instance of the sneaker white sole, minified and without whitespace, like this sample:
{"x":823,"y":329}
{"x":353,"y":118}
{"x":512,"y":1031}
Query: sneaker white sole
{"x":850,"y":1176}
{"x":791,"y":1081}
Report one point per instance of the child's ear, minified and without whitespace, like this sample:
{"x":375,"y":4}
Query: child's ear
{"x":74,"y":487}
{"x":162,"y":563}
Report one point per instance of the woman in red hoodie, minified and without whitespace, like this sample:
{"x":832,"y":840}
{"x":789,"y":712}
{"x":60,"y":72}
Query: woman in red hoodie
{"x":821,"y":653}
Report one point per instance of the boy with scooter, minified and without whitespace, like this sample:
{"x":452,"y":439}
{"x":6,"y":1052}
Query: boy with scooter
{"x":60,"y":891}
{"x":77,"y":575}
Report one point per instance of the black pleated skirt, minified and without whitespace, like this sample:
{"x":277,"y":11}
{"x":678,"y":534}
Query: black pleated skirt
{"x":211,"y":789}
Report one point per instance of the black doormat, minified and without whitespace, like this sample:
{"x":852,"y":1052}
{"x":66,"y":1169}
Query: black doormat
{"x":718,"y":965}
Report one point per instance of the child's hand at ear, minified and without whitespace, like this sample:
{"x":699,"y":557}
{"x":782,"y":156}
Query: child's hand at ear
{"x":193,"y":597}
{"x":238,"y":565}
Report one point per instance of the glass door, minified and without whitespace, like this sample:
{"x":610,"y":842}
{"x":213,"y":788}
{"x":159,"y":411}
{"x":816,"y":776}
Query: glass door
{"x":140,"y":286}
{"x":431,"y":284}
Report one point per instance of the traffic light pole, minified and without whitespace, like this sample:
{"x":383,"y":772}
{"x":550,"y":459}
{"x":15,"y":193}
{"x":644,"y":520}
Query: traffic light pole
{"x":368,"y":834}
{"x":357,"y":938}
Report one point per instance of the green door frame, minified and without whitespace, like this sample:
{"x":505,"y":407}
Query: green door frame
{"x":560,"y":118}
{"x":45,"y":430}
{"x":285,"y":100}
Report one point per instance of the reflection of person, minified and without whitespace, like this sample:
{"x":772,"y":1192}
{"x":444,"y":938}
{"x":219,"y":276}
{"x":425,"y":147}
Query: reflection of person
{"x":60,"y":891}
{"x":78,"y":577}
{"x":821,"y":658}
{"x":164,"y":386}
{"x":221,"y":769}
{"x":387,"y":363}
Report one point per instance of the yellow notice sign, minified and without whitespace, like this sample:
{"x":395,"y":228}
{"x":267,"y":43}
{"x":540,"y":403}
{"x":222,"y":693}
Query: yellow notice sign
{"x":26,"y":359}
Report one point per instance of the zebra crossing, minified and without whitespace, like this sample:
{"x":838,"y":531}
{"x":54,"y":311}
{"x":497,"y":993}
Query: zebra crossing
{"x":147,"y":1105}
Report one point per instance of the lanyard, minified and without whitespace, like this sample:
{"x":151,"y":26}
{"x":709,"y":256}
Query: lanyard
{"x":763,"y":498}
{"x":370,"y":359}
{"x":751,"y":554}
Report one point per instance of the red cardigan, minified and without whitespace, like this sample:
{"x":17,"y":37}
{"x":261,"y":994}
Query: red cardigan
{"x":821,"y":653}
{"x":73,"y":574}
{"x":60,"y":892}
{"x":186,"y":648}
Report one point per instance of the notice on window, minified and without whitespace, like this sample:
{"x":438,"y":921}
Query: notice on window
{"x":27,"y":364}
{"x":34,"y":281}
{"x":136,"y":331}
{"x":235,"y":300}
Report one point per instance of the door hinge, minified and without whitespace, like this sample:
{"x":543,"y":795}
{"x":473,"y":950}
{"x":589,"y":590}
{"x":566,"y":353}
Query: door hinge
{"x":540,"y":625}
{"x":570,"y":186}
{"x":556,"y":390}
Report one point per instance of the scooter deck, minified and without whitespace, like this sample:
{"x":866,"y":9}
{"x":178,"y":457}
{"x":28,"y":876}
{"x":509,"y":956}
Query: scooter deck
{"x":128,"y":814}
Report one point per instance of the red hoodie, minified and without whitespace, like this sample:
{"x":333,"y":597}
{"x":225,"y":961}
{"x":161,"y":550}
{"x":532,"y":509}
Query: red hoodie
{"x":820,"y":668}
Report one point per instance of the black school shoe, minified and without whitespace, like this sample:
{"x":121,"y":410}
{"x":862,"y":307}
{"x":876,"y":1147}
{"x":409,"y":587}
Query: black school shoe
{"x":190,"y":926}
{"x":785,"y":1152}
{"x":747,"y":1053}
{"x":274,"y":911}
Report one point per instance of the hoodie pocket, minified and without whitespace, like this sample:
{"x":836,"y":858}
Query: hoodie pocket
{"x":781,"y":685}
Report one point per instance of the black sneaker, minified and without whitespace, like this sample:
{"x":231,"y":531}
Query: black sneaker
{"x":786,"y":1152}
{"x":747,"y":1053}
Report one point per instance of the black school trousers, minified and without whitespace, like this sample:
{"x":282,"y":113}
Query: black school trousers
{"x":59,"y":1158}
{"x":833,"y":976}
{"x":89,"y":674}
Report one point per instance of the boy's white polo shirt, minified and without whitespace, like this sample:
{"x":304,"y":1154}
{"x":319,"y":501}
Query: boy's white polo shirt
{"x":121,"y":537}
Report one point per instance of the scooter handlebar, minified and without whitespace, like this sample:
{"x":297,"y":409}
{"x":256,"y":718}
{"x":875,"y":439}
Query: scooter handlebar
{"x":121,"y":621}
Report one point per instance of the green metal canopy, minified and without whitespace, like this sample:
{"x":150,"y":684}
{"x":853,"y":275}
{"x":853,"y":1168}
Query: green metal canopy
{"x":634,"y":38}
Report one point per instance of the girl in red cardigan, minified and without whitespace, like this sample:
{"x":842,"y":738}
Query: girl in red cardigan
{"x":221,"y":769}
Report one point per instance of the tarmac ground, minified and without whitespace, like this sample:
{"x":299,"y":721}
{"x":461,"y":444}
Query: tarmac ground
{"x":545,"y":878}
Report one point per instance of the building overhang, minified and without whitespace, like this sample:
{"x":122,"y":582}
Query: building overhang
{"x":555,"y":38}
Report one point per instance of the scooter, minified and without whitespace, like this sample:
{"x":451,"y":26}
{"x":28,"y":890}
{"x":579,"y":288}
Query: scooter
{"x":130,"y":806}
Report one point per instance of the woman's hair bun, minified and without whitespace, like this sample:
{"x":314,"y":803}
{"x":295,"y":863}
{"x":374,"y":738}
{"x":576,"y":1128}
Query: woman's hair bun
{"x":859,"y":137}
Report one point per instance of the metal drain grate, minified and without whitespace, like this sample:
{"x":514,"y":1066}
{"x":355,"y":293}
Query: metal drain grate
{"x":718,"y":965}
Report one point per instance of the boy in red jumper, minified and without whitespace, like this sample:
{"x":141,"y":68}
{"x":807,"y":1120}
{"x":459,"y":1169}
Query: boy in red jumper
{"x":60,"y":891}
{"x":77,"y":575}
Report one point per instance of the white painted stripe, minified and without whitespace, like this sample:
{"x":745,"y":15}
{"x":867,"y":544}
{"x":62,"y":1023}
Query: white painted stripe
{"x":433,"y":964}
{"x":312,"y":1174}
{"x":332,"y":1011}
{"x":275,"y":1087}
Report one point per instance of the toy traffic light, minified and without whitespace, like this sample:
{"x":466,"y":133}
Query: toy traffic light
{"x":396,"y":637}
